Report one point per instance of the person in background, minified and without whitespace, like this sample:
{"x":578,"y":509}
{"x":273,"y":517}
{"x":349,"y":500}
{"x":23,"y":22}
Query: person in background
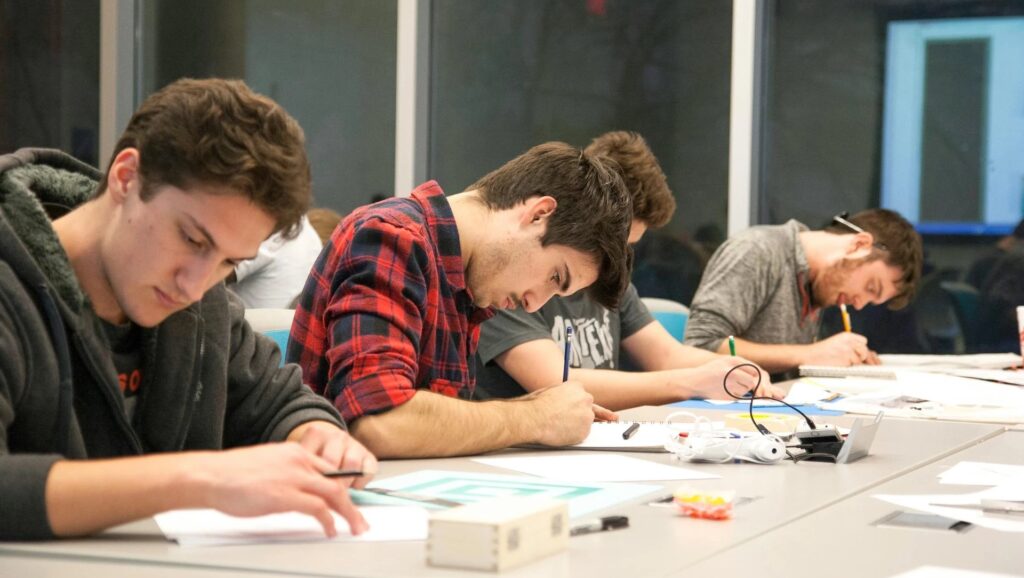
{"x":980,"y":269}
{"x":124,"y":362}
{"x":667,"y":266}
{"x":388,"y":323}
{"x":324,"y":221}
{"x":766,"y":286}
{"x":522,"y":351}
{"x":276,"y":276}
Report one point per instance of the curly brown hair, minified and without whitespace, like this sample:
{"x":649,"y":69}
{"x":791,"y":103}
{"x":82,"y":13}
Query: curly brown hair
{"x":653,"y":203}
{"x":593,"y":214}
{"x":219,"y":132}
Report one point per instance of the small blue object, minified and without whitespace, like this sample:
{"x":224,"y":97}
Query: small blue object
{"x":280,"y":336}
{"x":673,"y":321}
{"x":745,"y":405}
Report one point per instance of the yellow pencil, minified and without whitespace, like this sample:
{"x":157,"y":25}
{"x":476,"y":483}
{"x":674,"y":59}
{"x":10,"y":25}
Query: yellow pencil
{"x":846,"y":317}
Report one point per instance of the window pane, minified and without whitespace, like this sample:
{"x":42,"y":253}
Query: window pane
{"x":50,"y":76}
{"x":914,"y":106}
{"x":510,"y":75}
{"x":330,"y":63}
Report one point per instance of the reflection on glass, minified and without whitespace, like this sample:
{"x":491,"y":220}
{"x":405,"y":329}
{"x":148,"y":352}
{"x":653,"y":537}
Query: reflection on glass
{"x":907,"y":105}
{"x":330,"y":63}
{"x":509,"y":75}
{"x":49,"y":76}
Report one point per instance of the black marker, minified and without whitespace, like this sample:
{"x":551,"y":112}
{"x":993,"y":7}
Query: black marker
{"x":630,"y":430}
{"x":600,"y":525}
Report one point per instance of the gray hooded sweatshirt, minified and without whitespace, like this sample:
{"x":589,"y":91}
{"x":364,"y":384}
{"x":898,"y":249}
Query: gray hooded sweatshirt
{"x":210,"y":381}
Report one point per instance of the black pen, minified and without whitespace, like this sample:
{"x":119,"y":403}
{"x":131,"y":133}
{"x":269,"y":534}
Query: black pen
{"x":344,"y":474}
{"x":630,"y":430}
{"x":600,"y":525}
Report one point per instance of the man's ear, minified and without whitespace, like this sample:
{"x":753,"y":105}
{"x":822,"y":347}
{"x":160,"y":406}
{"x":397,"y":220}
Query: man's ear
{"x":124,"y":177}
{"x":538,"y":210}
{"x":860,"y":245}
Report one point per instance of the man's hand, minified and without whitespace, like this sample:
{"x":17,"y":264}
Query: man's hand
{"x":272,"y":478}
{"x":842,"y":349}
{"x":337,"y":447}
{"x":562,"y":414}
{"x":706,"y":380}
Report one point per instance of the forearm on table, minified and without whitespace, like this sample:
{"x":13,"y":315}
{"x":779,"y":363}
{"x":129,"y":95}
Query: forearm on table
{"x":617,"y":390}
{"x":773,"y":358}
{"x":84,"y":497}
{"x":433,"y":425}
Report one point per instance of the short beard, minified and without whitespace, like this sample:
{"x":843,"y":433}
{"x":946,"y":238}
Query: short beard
{"x":495,"y":258}
{"x":832,"y":278}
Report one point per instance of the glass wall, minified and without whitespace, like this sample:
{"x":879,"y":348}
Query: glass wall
{"x":50,"y":75}
{"x":508,"y":75}
{"x":914,"y":106}
{"x":330,"y":63}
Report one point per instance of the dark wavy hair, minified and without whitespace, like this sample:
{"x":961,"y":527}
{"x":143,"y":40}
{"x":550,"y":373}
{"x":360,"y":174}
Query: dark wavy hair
{"x":593,"y":213}
{"x":219,"y":132}
{"x":653,"y":203}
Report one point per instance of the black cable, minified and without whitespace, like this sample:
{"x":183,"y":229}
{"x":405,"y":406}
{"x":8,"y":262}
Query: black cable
{"x":808,"y":456}
{"x":764,"y":430}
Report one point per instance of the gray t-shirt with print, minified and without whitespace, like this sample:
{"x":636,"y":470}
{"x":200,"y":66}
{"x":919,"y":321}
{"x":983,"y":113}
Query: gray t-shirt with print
{"x":756,"y":286}
{"x":597,"y":334}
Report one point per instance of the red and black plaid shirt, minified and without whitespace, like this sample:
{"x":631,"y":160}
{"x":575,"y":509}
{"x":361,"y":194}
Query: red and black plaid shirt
{"x":386,"y":309}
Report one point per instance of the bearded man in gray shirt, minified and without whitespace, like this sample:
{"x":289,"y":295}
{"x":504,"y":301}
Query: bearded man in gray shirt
{"x":767,"y":285}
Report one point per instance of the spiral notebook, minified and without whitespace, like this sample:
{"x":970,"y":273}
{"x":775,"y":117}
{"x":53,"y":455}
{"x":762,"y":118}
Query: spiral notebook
{"x":650,"y":436}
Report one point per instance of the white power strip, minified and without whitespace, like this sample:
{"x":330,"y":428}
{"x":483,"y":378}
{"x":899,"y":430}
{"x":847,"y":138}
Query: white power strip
{"x":726,"y":445}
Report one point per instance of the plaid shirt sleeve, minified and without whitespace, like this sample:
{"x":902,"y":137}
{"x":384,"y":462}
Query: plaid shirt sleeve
{"x":357,"y":329}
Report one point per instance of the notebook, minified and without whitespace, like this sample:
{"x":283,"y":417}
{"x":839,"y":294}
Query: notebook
{"x":650,"y":436}
{"x":954,"y":364}
{"x":875,"y":371}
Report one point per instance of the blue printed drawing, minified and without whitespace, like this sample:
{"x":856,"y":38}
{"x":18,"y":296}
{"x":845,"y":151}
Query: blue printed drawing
{"x":468,"y":487}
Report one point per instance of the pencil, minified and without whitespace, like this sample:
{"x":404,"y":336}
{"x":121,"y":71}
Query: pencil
{"x":846,"y":317}
{"x":732,"y":346}
{"x":568,"y":353}
{"x":343,"y":474}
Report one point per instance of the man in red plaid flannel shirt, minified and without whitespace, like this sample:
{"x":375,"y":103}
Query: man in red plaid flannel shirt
{"x":388,"y":323}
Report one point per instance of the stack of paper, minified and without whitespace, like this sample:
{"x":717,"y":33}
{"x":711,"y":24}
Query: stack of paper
{"x":967,"y":507}
{"x":936,"y":395}
{"x":978,"y":508}
{"x":894,"y":364}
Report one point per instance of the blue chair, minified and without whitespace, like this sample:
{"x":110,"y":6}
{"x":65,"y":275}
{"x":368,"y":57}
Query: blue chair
{"x":671,"y":314}
{"x":274,"y":323}
{"x":280,"y":336}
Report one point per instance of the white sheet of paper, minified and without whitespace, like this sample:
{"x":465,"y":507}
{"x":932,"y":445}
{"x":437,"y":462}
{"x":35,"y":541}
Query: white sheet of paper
{"x":1001,"y":522}
{"x":983,"y":474}
{"x":608,"y":435}
{"x":943,"y":572}
{"x":1001,"y":375}
{"x":595,"y":468}
{"x":204,"y":527}
{"x":953,"y":390}
{"x":971,"y":361}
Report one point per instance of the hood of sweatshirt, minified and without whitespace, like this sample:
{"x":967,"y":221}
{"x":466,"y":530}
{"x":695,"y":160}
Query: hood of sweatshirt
{"x":36,"y":186}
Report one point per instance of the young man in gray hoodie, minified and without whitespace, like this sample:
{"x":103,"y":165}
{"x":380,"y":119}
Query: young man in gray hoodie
{"x":124,"y":362}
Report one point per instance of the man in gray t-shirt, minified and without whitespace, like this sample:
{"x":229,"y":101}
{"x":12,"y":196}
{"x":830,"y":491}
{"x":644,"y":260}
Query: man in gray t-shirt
{"x":521,"y":352}
{"x":597,"y":335}
{"x":766,"y":286}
